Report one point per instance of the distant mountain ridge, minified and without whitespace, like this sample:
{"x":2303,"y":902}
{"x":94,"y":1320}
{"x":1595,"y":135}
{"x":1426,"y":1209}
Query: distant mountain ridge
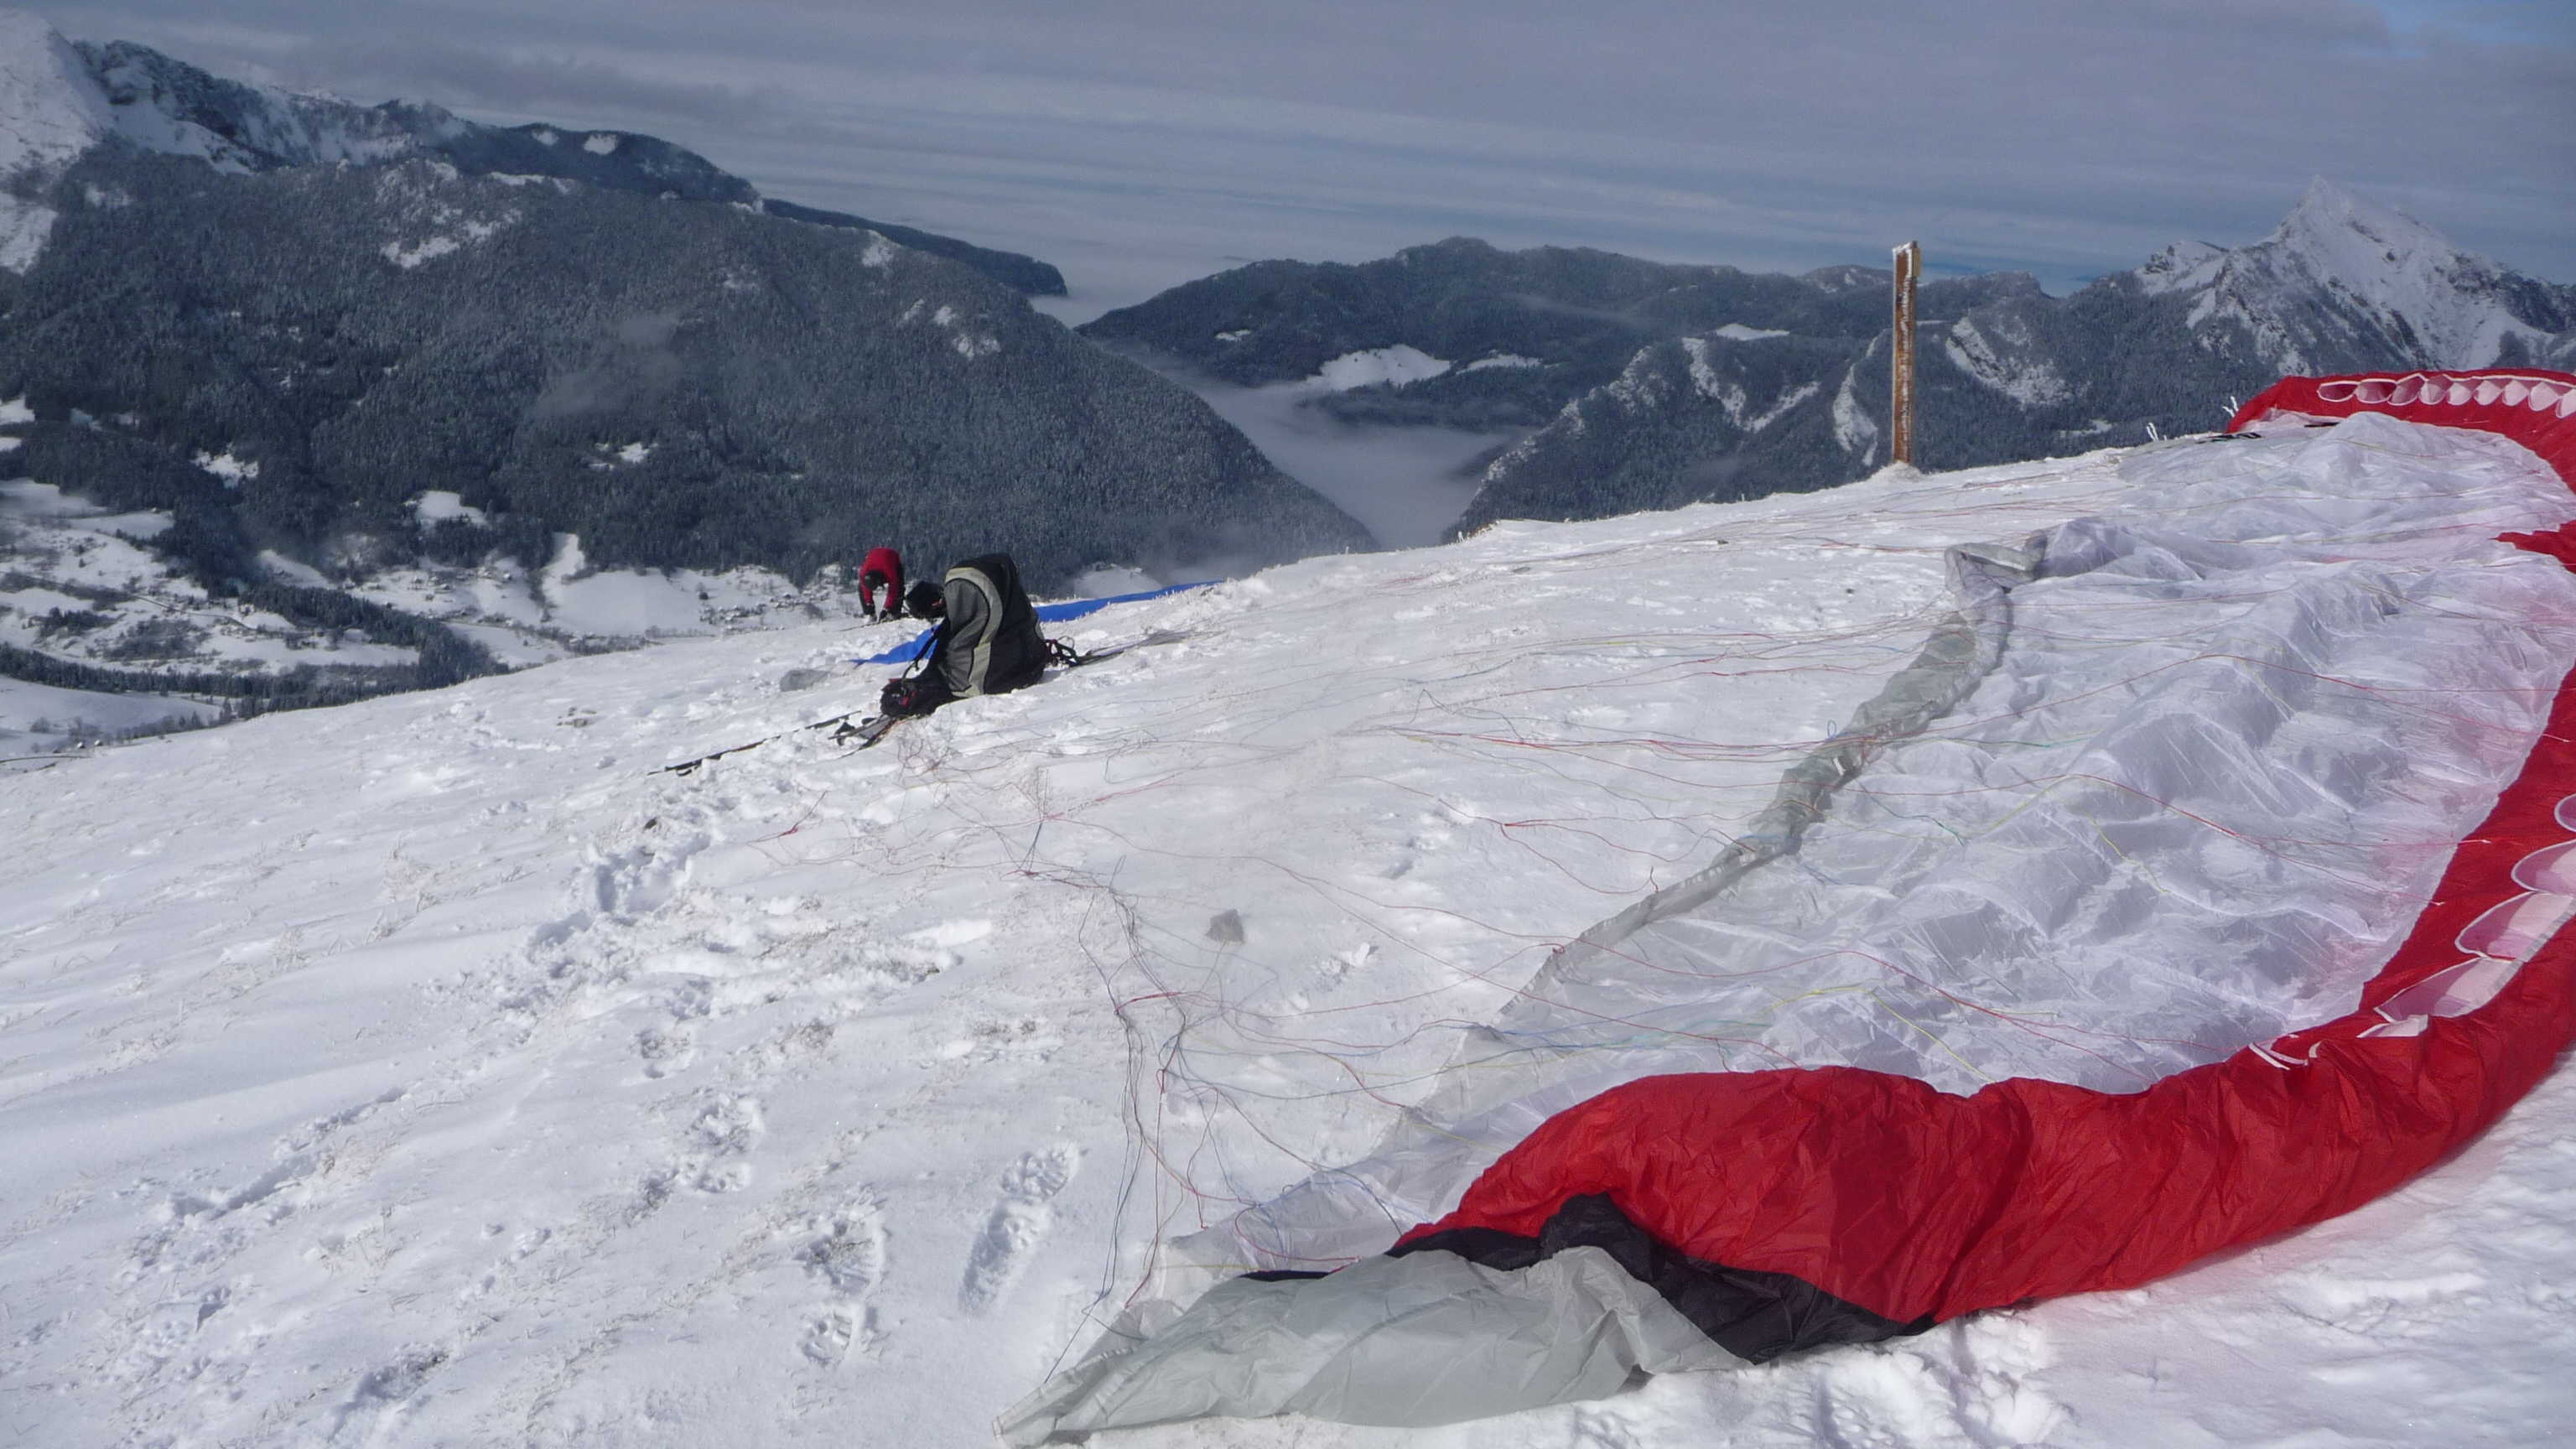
{"x":1649,"y":385}
{"x":158,"y":103}
{"x":1521,"y":332}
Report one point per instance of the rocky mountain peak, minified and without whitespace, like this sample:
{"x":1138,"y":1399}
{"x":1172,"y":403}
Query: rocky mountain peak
{"x":2333,"y":221}
{"x":51,"y":109}
{"x":2344,"y":278}
{"x":2376,"y":252}
{"x":2180,"y":266}
{"x":2333,"y":236}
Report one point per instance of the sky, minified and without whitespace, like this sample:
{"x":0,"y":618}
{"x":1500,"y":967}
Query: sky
{"x":1140,"y":143}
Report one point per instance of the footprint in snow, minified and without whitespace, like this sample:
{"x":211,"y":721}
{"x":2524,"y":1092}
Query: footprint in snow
{"x":836,"y":1329}
{"x":848,"y":1252}
{"x":1599,"y":1428}
{"x":666,"y":1049}
{"x":725,"y":1127}
{"x":382,"y":1395}
{"x":1019,"y":1222}
{"x":1996,"y":1358}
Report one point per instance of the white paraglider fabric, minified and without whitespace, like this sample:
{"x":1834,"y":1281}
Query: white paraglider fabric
{"x":2172,"y":781}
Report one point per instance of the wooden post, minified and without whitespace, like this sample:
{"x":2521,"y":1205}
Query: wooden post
{"x":1900,"y":392}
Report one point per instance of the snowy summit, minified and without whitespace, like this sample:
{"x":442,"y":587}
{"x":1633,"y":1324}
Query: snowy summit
{"x":2398,"y":284}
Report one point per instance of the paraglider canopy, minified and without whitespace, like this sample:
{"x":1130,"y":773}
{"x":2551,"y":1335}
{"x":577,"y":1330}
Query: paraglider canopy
{"x":2198,"y":878}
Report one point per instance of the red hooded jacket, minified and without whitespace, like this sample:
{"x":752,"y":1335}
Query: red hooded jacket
{"x":887,"y":565}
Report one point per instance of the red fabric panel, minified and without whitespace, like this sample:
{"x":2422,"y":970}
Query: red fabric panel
{"x":2559,"y":543}
{"x":2486,"y":400}
{"x":1906,"y":1201}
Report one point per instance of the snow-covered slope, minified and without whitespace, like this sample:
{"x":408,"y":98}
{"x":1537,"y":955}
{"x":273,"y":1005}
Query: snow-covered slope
{"x":435,"y":1071}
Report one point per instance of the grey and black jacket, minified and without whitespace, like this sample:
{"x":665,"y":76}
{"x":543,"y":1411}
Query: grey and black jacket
{"x":990,"y":642}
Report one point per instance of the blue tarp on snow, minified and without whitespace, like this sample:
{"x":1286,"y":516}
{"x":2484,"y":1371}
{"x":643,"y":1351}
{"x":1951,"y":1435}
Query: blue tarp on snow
{"x":1047,"y":614}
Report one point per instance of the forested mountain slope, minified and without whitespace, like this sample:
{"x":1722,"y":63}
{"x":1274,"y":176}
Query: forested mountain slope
{"x":328,"y":361}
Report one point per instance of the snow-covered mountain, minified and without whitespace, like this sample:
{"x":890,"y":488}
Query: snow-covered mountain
{"x":58,"y":98}
{"x":2344,"y":278}
{"x":434,"y":1070}
{"x":1643,"y":385}
{"x":339,"y":369}
{"x":2344,"y":285}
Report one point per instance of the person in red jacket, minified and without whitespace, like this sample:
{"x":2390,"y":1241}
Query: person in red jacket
{"x":883,"y":569}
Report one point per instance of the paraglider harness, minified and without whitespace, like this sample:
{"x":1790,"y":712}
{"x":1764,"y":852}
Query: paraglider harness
{"x":910,"y":694}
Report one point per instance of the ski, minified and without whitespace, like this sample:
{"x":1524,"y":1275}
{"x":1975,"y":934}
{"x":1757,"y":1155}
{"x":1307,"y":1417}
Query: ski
{"x":865,"y":732}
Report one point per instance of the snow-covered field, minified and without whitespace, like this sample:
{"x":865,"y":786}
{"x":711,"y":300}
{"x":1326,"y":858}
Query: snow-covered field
{"x":434,"y":1070}
{"x":531,"y":616}
{"x":42,"y":718}
{"x":77,"y":585}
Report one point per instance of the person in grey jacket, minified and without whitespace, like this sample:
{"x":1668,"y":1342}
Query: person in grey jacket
{"x":988,"y":636}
